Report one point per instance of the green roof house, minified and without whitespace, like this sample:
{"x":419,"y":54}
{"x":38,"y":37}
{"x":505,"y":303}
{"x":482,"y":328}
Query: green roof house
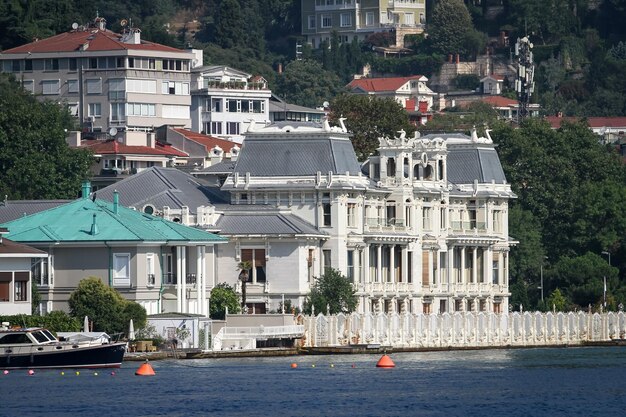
{"x":162,"y":265}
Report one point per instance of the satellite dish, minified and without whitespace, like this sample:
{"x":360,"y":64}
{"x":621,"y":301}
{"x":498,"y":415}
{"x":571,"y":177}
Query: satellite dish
{"x":74,"y":25}
{"x":113,"y":131}
{"x":123,"y":22}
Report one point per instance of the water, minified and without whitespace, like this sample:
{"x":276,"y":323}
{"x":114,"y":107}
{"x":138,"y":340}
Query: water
{"x":518,"y":382}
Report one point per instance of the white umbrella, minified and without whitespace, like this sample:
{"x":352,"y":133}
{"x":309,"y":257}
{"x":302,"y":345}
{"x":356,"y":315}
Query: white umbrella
{"x":86,"y":324}
{"x":131,"y":330}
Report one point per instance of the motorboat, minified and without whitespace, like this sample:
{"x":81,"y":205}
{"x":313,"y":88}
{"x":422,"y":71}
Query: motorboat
{"x":37,"y":348}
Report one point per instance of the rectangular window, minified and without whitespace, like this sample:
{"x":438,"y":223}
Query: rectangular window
{"x":350,"y":272}
{"x":5,"y":286}
{"x":258,"y":106}
{"x":50,"y":86}
{"x":16,"y":65}
{"x":21,"y":282}
{"x":346,"y":20}
{"x":232,"y":128}
{"x":39,"y":268}
{"x":245,"y":106}
{"x":497,"y":221}
{"x":28,"y":65}
{"x":150,"y":275}
{"x":496,"y":271}
{"x":311,"y":21}
{"x":327,"y":221}
{"x":29,"y":85}
{"x":142,"y":86}
{"x":327,"y":259}
{"x":409,"y":19}
{"x":93,"y":86}
{"x":257,"y":258}
{"x":118,"y":112}
{"x":117,"y":89}
{"x":93,"y":63}
{"x":51,"y":64}
{"x":216,"y":128}
{"x":442,"y":219}
{"x":95,"y":110}
{"x":351,"y":214}
{"x":216,"y":105}
{"x":231,"y":105}
{"x":327,"y":21}
{"x":141,"y":109}
{"x":72,"y":86}
{"x":426,"y":218}
{"x":175,"y":112}
{"x":121,"y":269}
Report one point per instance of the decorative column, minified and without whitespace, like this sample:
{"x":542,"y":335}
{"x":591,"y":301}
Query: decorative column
{"x":379,"y":263}
{"x":392,"y":264}
{"x":474,"y":266}
{"x":366,"y":263}
{"x":462,"y":266}
{"x":179,"y":292}
{"x":405,"y":264}
{"x":183,"y":278}
{"x":199,"y":280}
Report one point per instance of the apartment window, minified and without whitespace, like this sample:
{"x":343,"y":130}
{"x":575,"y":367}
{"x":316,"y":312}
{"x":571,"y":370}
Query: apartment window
{"x":120,"y":62}
{"x":258,"y":106}
{"x":232,"y":105}
{"x":117,"y":89}
{"x":16,"y":65}
{"x":177,"y":88}
{"x":257,"y":258}
{"x":28,"y":65}
{"x":216,"y":105}
{"x":327,"y":221}
{"x":442,"y":219}
{"x":141,"y":86}
{"x":121,"y":269}
{"x":51,"y":64}
{"x":497,"y":221}
{"x":39,"y":268}
{"x":118,"y":112}
{"x":141,"y":109}
{"x":175,"y":112}
{"x":29,"y":85}
{"x":409,"y":19}
{"x":346,"y":20}
{"x":311,"y":21}
{"x":351,"y":214}
{"x":216,"y":128}
{"x":72,"y":86}
{"x":94,"y":109}
{"x":131,"y":62}
{"x":245,"y":106}
{"x":20,"y":283}
{"x":327,"y":21}
{"x":232,"y":128}
{"x":93,"y":63}
{"x":5,"y":286}
{"x":93,"y":86}
{"x":472,"y":218}
{"x":50,"y":86}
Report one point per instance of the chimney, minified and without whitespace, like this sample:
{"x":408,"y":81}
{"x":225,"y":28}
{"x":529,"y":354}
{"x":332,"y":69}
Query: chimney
{"x":101,"y":23}
{"x":86,"y":190}
{"x":116,"y":202}
{"x":458,"y":59}
{"x":94,"y":226}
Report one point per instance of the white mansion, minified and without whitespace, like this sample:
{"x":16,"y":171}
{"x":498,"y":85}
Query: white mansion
{"x":421,"y":228}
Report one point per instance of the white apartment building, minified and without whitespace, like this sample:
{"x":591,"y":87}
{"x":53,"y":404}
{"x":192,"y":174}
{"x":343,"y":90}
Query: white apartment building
{"x":225,"y":101}
{"x":108,"y":79}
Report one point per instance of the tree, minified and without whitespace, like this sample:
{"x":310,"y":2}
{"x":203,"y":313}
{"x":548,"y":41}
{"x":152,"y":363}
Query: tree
{"x":307,"y":83}
{"x":556,"y":301}
{"x":244,"y":268}
{"x":332,"y":293}
{"x":105,"y":306}
{"x":369,"y":118}
{"x":35,"y":160}
{"x":450,"y":28}
{"x":223,"y":297}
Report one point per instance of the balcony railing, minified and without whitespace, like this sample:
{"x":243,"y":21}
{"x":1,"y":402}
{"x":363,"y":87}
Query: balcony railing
{"x":151,"y":280}
{"x":170,"y":278}
{"x":458,"y":225}
{"x":42,"y":279}
{"x":191,"y":279}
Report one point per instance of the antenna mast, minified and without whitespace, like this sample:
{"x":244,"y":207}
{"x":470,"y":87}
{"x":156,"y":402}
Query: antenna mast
{"x":524,"y":84}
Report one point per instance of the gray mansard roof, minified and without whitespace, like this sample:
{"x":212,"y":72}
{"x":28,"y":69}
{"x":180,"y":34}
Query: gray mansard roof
{"x":470,"y":160}
{"x":161,"y":187}
{"x":306,"y":151}
{"x":258,"y":221}
{"x":15,"y":209}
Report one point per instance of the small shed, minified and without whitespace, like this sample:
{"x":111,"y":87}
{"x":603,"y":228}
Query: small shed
{"x":188,"y":331}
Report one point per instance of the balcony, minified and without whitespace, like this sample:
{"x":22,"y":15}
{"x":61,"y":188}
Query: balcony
{"x":459,"y":226}
{"x":170,"y":278}
{"x":233,"y":85}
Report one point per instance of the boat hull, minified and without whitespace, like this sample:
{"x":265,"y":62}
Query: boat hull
{"x":98,"y":356}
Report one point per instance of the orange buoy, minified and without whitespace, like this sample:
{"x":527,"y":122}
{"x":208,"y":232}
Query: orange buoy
{"x":294,"y":365}
{"x":145,"y":370}
{"x":385,"y":362}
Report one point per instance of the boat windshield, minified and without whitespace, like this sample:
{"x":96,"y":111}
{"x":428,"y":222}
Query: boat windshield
{"x":41,"y":338}
{"x":15,"y":339}
{"x":49,"y":335}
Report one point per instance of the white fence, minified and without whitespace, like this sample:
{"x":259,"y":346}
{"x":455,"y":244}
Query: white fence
{"x":246,"y":337}
{"x":466,"y":329}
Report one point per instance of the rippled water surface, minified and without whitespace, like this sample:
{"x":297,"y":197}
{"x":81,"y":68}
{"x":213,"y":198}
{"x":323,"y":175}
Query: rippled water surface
{"x":519,"y":382}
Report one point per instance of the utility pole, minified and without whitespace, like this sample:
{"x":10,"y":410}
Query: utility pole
{"x":524,"y":84}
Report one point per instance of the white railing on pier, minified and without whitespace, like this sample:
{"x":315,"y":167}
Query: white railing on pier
{"x":246,"y":337}
{"x":463,"y":329}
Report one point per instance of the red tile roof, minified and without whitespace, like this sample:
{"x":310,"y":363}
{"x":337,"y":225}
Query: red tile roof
{"x":9,"y":247}
{"x":208,"y":141}
{"x":113,"y":147}
{"x":594,"y":122}
{"x":95,"y":40}
{"x":381,"y":84}
{"x":496,"y":77}
{"x":499,"y":101}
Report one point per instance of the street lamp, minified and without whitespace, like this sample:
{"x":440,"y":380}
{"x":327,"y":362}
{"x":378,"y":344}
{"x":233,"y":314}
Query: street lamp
{"x":607,"y":253}
{"x":541,"y":275}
